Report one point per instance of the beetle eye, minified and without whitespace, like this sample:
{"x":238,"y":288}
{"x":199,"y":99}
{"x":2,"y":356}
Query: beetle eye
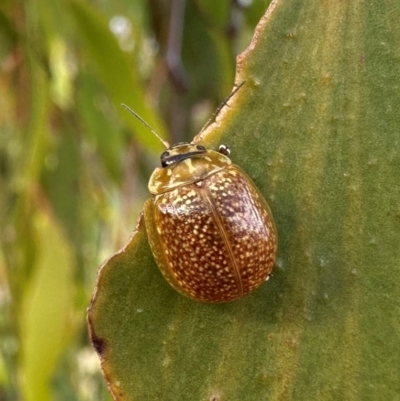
{"x":224,"y":150}
{"x":200,"y":147}
{"x":164,"y":159}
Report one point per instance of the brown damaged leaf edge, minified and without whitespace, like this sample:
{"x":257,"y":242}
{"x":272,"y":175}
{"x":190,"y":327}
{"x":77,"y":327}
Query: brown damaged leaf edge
{"x":100,"y":344}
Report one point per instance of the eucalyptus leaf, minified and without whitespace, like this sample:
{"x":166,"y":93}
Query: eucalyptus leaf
{"x":46,"y":315}
{"x":118,"y":75}
{"x":316,"y":125}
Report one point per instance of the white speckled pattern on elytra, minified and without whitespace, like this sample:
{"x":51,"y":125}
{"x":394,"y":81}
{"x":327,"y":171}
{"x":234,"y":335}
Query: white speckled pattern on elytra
{"x":217,"y":236}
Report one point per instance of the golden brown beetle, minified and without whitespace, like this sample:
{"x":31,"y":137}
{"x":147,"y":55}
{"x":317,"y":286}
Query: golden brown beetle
{"x":211,"y":231}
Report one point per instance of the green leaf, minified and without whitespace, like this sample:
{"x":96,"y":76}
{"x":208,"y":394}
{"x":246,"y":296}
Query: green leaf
{"x":46,"y":320}
{"x":317,"y":127}
{"x":106,"y":139}
{"x":205,"y":50}
{"x":118,"y":75}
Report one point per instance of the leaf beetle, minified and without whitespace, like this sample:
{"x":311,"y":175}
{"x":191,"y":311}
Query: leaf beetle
{"x":210,"y":230}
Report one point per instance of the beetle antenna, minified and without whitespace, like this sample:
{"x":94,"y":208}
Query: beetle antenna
{"x":165,"y":143}
{"x":221,"y":106}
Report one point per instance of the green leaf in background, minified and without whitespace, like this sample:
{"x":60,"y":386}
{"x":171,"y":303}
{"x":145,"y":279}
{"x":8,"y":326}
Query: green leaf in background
{"x":113,"y":68}
{"x":108,"y":144}
{"x":317,"y":127}
{"x":206,"y":53}
{"x":46,"y":313}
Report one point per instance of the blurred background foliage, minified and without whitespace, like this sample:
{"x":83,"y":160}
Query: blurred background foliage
{"x":74,"y":164}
